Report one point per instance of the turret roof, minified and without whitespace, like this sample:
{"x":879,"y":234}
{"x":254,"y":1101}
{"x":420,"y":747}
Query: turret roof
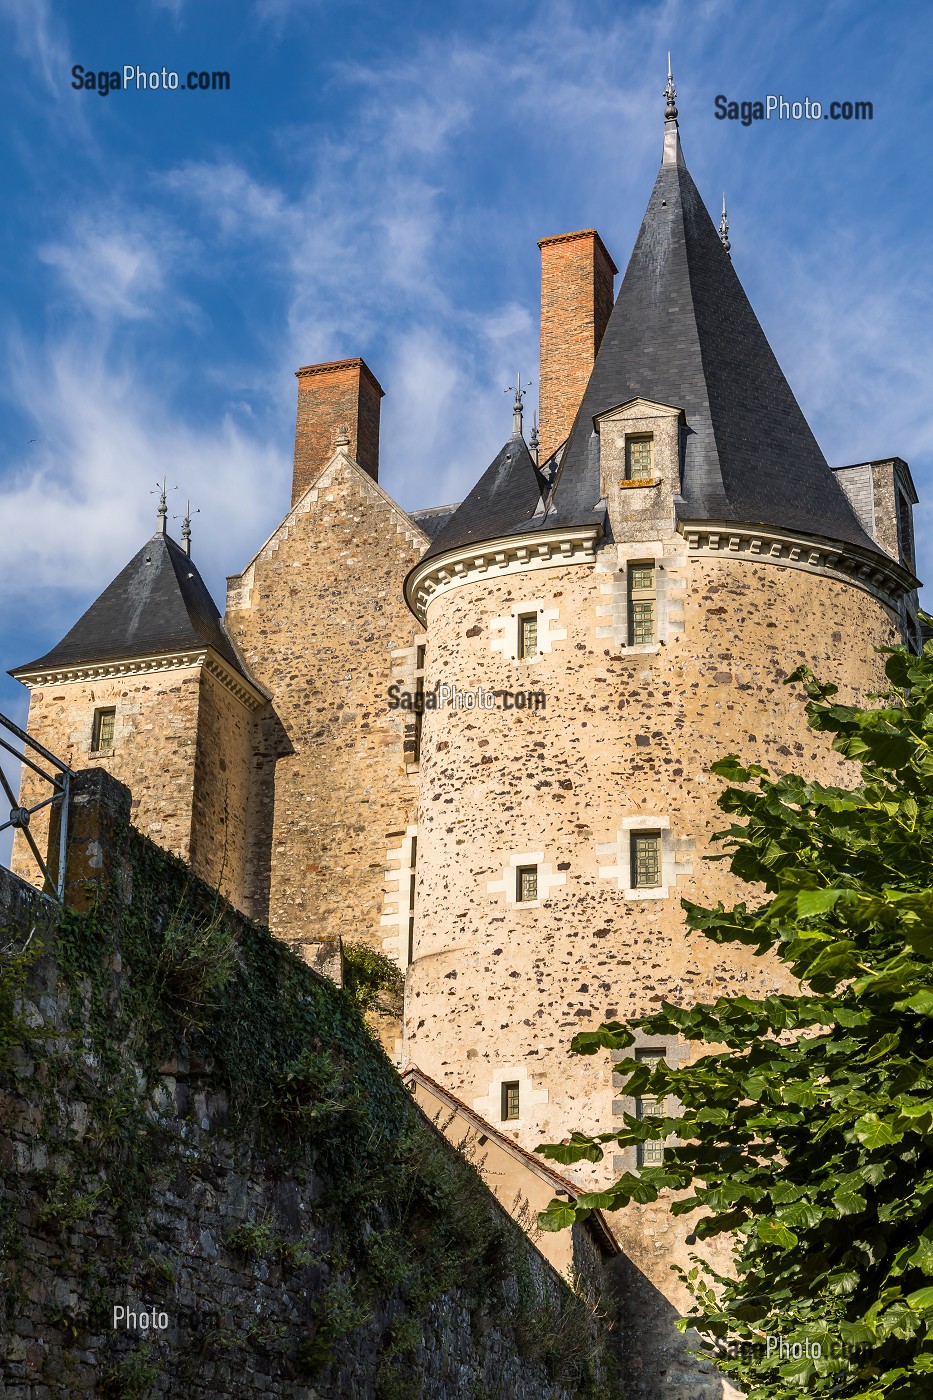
{"x":158,"y":603}
{"x":682,"y":333}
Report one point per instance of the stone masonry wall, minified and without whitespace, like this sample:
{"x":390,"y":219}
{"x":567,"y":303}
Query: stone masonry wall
{"x":153,"y":751}
{"x":498,"y":988}
{"x":129,"y":1178}
{"x":316,"y":616}
{"x":222,"y":770}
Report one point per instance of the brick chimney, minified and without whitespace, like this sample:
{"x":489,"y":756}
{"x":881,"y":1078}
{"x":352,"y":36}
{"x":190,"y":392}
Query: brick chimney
{"x":341,"y":395}
{"x":576,"y":300}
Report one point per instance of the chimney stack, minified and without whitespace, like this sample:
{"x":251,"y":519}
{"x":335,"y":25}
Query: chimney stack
{"x":339,"y":398}
{"x":576,"y":301}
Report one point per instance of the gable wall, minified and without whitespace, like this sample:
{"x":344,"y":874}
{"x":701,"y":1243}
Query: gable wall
{"x":316,"y":616}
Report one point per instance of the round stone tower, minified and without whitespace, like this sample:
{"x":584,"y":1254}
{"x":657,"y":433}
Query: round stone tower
{"x":635,"y":604}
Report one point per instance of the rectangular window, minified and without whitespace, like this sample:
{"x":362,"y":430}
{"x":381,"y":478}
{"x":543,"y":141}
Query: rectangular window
{"x":646,"y":860}
{"x":641,"y":604}
{"x":526,"y":883}
{"x":102,"y":734}
{"x":509,"y":1102}
{"x":528,"y":635}
{"x":638,"y":459}
{"x":650,"y":1154}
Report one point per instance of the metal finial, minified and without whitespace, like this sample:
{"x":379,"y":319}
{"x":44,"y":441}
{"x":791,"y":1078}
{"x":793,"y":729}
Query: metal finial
{"x":533,"y":444}
{"x":162,"y":513}
{"x":670,"y":114}
{"x":186,"y":528}
{"x":724,"y":227}
{"x":519,"y":390}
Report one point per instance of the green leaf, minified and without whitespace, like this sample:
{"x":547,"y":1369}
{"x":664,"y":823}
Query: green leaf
{"x":873,"y":1132}
{"x":773,"y":1232}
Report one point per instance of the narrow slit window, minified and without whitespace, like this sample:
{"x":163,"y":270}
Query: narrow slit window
{"x":639,"y":465}
{"x":419,"y":700}
{"x":646,"y":860}
{"x":526,"y":883}
{"x":103,"y":731}
{"x":510,"y":1102}
{"x":411,"y":900}
{"x":642,"y":598}
{"x":527,"y":635}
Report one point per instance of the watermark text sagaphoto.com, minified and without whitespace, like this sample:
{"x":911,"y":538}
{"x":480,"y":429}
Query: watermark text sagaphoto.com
{"x":132,"y":78}
{"x":447,"y":696}
{"x":780,"y":108}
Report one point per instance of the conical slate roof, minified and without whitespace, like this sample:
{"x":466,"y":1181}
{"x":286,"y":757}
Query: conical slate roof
{"x":503,"y":500}
{"x":682,"y":332}
{"x":159,"y":603}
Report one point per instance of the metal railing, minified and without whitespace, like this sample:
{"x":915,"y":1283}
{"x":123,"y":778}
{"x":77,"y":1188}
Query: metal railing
{"x":20,"y":817}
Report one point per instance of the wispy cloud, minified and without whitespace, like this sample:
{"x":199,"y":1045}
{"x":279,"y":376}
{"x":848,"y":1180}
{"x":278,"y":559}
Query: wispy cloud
{"x":115,"y":266}
{"x":40,"y":39}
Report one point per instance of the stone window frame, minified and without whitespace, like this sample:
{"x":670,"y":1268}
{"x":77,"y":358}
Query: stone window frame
{"x":612,"y":611}
{"x":676,"y":1053}
{"x":405,"y":672}
{"x":489,"y":1106}
{"x":549,"y":879}
{"x":95,"y":748}
{"x":399,"y":897}
{"x":674,"y":851}
{"x":504,"y":631}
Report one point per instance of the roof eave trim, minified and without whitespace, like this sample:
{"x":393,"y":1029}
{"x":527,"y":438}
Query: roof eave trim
{"x":494,"y":558}
{"x":116,"y":668}
{"x":876,"y":573}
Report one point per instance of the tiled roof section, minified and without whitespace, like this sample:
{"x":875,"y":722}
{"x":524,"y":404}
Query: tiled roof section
{"x":503,"y":501}
{"x":159,"y":603}
{"x":683,"y":332}
{"x":433,"y":519}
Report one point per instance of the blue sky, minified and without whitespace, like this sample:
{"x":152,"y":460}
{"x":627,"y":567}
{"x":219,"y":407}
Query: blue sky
{"x":373,"y":184}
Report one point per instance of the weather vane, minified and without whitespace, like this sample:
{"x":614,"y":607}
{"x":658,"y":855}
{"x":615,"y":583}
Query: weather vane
{"x":519,"y":391}
{"x":670,"y":114}
{"x":186,"y":527}
{"x":162,"y":513}
{"x":724,"y":227}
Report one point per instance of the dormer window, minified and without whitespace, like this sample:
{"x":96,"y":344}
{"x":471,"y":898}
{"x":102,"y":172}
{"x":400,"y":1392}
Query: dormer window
{"x":639,"y":458}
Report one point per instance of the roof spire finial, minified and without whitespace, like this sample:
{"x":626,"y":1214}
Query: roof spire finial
{"x":670,"y":114}
{"x":186,"y":528}
{"x":533,"y":444}
{"x":519,"y":390}
{"x":724,"y":227}
{"x":162,"y":512}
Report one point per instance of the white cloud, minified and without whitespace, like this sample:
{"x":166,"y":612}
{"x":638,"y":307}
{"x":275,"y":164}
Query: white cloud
{"x":115,"y":267}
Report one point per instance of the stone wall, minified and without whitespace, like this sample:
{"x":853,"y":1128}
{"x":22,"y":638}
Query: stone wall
{"x":317,"y":615}
{"x":220,"y":801}
{"x":498,"y":987}
{"x":153,"y":752}
{"x":293,"y":1227}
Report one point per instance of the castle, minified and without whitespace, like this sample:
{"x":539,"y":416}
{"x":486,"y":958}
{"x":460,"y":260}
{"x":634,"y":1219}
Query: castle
{"x":478,"y":736}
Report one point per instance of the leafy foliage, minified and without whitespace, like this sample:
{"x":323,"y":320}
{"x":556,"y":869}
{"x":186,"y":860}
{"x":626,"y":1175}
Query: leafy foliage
{"x":371,"y":980}
{"x":808,"y":1137}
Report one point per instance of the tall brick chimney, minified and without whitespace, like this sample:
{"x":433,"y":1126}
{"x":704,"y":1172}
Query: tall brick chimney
{"x":342,"y":394}
{"x":576,"y":301}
